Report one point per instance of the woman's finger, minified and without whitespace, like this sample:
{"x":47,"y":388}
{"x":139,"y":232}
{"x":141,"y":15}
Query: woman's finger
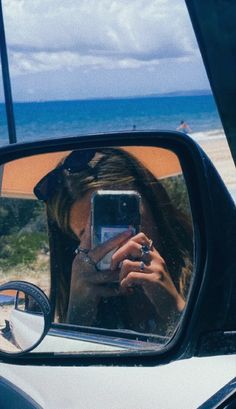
{"x":85,"y":241}
{"x":133,"y":266}
{"x":132,"y":249}
{"x":129,"y":250}
{"x":141,"y":238}
{"x":136,"y":278}
{"x":101,"y":250}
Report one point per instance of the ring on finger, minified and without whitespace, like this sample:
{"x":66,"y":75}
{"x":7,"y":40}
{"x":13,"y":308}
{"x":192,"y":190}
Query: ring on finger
{"x":81,"y":250}
{"x":87,"y":259}
{"x":145,"y":251}
{"x":142,"y":266}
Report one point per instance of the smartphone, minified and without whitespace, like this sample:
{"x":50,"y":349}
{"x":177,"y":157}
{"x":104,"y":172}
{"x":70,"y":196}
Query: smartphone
{"x":113,"y":212}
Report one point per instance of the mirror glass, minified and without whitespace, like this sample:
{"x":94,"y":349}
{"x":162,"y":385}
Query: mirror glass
{"x":21,"y":321}
{"x":107,"y":234}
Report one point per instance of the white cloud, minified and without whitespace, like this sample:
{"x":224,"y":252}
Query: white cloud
{"x":45,"y":35}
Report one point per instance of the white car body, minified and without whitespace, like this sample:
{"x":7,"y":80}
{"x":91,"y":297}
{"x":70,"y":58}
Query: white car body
{"x":184,"y":384}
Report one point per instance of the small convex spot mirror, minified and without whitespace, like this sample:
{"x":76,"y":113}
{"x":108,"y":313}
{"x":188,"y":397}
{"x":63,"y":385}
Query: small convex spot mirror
{"x":24,"y":317}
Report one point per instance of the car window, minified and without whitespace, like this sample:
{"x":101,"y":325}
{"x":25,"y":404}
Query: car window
{"x":101,"y":67}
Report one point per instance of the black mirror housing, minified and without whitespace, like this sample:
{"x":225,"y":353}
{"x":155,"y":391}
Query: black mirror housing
{"x":208,"y":326}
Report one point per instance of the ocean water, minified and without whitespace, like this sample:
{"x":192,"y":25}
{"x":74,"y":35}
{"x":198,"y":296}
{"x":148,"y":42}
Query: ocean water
{"x":40,"y":120}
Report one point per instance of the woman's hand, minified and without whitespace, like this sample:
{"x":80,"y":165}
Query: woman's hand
{"x":150,"y":272}
{"x":88,"y":284}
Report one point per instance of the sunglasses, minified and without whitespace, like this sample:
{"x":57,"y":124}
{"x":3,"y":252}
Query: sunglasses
{"x":74,"y":163}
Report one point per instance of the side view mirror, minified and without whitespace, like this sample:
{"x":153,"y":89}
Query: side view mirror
{"x":131,"y":236}
{"x":24,"y":317}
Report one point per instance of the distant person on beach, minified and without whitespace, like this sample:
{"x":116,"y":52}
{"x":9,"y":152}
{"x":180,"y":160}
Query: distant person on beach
{"x":134,"y":127}
{"x":184,"y":127}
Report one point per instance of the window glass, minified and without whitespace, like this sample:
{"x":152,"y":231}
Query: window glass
{"x":88,"y":67}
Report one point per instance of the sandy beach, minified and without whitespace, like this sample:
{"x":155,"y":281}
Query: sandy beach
{"x":214,"y":143}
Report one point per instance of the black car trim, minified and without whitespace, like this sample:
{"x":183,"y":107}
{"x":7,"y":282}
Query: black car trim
{"x":12,"y":397}
{"x":224,"y":398}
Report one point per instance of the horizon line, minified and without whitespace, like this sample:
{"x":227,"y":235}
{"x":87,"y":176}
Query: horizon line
{"x":171,"y":94}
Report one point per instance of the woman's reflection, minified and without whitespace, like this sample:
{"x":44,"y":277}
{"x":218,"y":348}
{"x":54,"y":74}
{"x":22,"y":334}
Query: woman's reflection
{"x":152,"y":268}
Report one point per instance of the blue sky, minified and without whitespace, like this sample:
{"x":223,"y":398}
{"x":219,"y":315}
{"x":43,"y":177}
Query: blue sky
{"x":88,"y":48}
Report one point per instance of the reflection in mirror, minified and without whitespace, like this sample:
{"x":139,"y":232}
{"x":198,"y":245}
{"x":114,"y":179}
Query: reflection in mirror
{"x":22,"y":321}
{"x":108,"y":235}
